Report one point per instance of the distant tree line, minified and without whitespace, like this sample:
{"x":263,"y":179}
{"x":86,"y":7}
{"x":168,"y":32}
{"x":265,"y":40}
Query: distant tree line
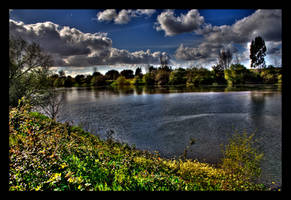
{"x":194,"y":76}
{"x":29,"y":73}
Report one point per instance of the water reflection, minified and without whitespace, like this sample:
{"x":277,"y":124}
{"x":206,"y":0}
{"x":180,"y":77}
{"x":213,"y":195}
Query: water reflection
{"x":142,"y":90}
{"x":165,"y":118}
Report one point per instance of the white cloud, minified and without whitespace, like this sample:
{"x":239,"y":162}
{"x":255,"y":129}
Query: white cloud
{"x":107,"y":15}
{"x":71,"y":47}
{"x":147,"y":12}
{"x":264,"y":23}
{"x":124,"y":16}
{"x":173,"y":25}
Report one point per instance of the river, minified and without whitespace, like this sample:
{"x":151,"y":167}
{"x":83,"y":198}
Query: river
{"x":165,"y":119}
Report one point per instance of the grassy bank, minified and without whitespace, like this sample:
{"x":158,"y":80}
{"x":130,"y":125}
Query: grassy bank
{"x":47,"y":155}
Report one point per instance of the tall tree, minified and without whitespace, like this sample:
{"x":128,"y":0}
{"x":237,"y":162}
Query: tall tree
{"x":28,"y":69}
{"x":112,"y":74}
{"x":138,"y":72}
{"x":225,"y":58}
{"x":258,"y":52}
{"x":127,"y":73}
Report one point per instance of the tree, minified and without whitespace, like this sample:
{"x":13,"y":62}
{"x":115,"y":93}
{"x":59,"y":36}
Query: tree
{"x":225,"y":58}
{"x":236,"y":74}
{"x":51,"y":103}
{"x":62,"y":73}
{"x":138,"y":72}
{"x":197,"y":76}
{"x":68,"y":81}
{"x":127,"y":73}
{"x":258,"y":52}
{"x":121,"y":81}
{"x":162,"y":77}
{"x":28,"y":70}
{"x":98,"y":80}
{"x":80,"y":79}
{"x":112,"y":75}
{"x":152,"y":69}
{"x":178,"y":76}
{"x":218,"y":74}
{"x":149,"y":78}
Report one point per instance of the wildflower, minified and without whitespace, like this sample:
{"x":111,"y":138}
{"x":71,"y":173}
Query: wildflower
{"x":37,"y":188}
{"x":63,"y":165}
{"x":71,"y":180}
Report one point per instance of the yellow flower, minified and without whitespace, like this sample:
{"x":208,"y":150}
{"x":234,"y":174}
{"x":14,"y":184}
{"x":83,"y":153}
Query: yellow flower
{"x":70,"y":179}
{"x":37,"y":188}
{"x":79,"y":187}
{"x":63,"y":165}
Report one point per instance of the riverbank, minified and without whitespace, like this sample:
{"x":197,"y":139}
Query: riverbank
{"x":47,"y":155}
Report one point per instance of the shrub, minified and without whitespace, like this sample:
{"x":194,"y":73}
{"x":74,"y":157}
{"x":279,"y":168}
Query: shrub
{"x":178,"y":76}
{"x":162,"y":77}
{"x":121,"y":81}
{"x":149,"y":78}
{"x":236,"y":74}
{"x":242,"y":158}
{"x":138,"y":80}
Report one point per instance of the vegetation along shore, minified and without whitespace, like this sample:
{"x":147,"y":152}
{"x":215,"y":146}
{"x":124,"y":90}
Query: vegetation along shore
{"x":48,"y":155}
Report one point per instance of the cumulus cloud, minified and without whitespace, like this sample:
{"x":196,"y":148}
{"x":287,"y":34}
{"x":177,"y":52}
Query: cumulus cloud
{"x":107,"y":15}
{"x":205,"y":52}
{"x":265,"y":23}
{"x":71,"y":47}
{"x":147,"y":12}
{"x":61,"y":41}
{"x":124,"y":16}
{"x":173,"y":25}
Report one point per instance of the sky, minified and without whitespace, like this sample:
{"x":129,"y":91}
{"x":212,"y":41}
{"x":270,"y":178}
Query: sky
{"x":105,"y":39}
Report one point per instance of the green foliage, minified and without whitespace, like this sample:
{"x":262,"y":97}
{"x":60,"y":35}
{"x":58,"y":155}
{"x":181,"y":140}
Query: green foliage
{"x":98,"y":80}
{"x":127,"y":73}
{"x":242,"y":158}
{"x":162,"y":77}
{"x":149,"y":78}
{"x":199,"y":76}
{"x":258,"y":52}
{"x":178,"y":76}
{"x":138,"y":80}
{"x":235,"y":74}
{"x":28,"y":70}
{"x":122,"y":81}
{"x":112,"y":75}
{"x":45,"y":155}
{"x":270,"y":74}
{"x":280,"y":79}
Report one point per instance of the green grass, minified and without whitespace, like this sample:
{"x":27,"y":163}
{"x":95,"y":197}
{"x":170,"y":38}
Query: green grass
{"x":47,"y":155}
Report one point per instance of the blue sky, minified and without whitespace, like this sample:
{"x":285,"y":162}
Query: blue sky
{"x":185,"y":36}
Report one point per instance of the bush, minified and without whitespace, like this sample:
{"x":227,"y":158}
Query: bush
{"x":162,"y":77}
{"x":242,"y":158}
{"x":178,"y":76}
{"x":236,"y":74}
{"x":121,"y":81}
{"x":49,"y":156}
{"x":98,"y":80}
{"x":149,"y":78}
{"x":138,"y":80}
{"x":198,"y":76}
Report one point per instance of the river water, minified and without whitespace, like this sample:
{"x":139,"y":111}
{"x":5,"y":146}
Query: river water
{"x":166,"y":119}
